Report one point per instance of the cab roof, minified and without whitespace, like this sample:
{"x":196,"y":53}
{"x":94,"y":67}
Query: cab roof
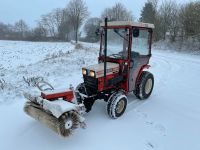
{"x":129,"y":23}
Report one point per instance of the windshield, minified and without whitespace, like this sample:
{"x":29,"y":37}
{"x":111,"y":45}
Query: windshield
{"x":117,"y":43}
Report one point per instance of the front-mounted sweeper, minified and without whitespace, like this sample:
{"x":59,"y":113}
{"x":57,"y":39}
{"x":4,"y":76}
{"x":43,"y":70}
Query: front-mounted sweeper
{"x":125,"y":51}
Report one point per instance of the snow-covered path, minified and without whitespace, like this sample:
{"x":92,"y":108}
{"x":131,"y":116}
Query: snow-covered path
{"x":168,"y":120}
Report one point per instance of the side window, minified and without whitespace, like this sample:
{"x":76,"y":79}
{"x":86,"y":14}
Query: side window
{"x":140,"y":42}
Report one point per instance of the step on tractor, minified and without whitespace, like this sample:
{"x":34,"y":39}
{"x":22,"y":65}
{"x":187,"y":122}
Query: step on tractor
{"x":125,"y":51}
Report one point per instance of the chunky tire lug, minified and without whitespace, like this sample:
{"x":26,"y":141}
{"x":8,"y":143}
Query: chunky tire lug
{"x":145,"y":85}
{"x":116,"y":105}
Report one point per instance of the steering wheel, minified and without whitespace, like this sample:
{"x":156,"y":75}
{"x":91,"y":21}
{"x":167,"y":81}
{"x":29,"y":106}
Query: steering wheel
{"x":116,"y":55}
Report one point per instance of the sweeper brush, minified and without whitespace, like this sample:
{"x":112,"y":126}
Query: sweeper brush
{"x":64,"y":125}
{"x":121,"y":70}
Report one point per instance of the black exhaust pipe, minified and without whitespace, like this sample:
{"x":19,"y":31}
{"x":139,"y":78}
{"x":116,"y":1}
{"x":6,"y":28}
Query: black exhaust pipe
{"x":105,"y":51}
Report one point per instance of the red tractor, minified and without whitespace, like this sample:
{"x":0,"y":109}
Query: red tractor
{"x":125,"y":51}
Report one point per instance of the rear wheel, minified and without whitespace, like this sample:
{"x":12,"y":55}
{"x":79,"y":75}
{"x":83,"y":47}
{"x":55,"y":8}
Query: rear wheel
{"x":116,"y":105}
{"x":145,"y":85}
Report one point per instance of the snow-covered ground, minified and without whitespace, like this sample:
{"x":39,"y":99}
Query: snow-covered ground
{"x":168,"y":120}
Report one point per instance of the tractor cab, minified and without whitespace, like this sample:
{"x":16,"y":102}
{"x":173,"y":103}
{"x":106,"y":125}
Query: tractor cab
{"x":128,"y":44}
{"x":125,"y":51}
{"x":126,"y":39}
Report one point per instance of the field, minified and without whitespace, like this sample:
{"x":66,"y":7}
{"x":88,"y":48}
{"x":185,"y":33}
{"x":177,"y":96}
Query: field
{"x":168,"y":120}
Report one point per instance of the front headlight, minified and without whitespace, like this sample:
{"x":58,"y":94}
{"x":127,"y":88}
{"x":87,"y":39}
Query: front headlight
{"x":92,"y":73}
{"x":84,"y":71}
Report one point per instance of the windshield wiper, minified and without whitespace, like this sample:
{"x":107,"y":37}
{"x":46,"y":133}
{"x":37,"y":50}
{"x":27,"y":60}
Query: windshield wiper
{"x":116,"y":31}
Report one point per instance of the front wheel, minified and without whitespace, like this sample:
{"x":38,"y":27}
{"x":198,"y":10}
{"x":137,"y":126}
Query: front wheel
{"x":145,"y":85}
{"x":116,"y":105}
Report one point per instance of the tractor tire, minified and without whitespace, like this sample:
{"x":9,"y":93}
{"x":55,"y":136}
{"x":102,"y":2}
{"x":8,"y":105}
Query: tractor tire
{"x":116,"y":105}
{"x":145,"y":85}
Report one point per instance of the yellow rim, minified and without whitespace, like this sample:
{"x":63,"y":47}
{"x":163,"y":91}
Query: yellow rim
{"x":120,"y":106}
{"x":148,"y":86}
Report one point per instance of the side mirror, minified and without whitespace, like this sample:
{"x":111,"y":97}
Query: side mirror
{"x":136,"y":32}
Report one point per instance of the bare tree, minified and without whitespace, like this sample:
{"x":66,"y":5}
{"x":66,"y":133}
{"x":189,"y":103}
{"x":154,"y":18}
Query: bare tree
{"x":174,"y":26}
{"x":120,"y":12}
{"x":56,"y":23}
{"x":77,"y":12}
{"x":3,"y":30}
{"x":108,"y":12}
{"x":90,"y":27}
{"x":117,"y":13}
{"x":65,"y":27}
{"x":39,"y":33}
{"x":22,"y":28}
{"x":8,"y":32}
{"x":58,"y":15}
{"x":47,"y":22}
{"x":190,"y":18}
{"x":166,"y":15}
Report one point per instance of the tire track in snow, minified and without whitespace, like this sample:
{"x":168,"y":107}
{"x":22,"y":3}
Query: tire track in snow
{"x":159,"y":67}
{"x":161,"y":78}
{"x":164,"y":69}
{"x":179,"y":58}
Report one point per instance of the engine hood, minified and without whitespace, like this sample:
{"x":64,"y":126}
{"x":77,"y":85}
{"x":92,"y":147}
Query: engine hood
{"x":99,"y":69}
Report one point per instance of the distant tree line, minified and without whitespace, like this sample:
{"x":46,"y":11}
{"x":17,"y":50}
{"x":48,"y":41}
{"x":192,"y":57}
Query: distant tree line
{"x":60,"y":24}
{"x":171,"y":20}
{"x":64,"y":24}
{"x":116,"y":13}
{"x":19,"y":30}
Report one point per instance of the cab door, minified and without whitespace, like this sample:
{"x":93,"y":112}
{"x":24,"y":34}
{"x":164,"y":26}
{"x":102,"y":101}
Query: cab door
{"x":140,"y":53}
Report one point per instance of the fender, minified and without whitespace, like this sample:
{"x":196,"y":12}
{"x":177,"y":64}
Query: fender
{"x":140,"y":72}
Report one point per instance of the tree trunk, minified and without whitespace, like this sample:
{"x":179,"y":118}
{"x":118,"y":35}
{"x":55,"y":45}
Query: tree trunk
{"x":77,"y":27}
{"x":76,"y":38}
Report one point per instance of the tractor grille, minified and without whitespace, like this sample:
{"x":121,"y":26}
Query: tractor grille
{"x":91,"y":85}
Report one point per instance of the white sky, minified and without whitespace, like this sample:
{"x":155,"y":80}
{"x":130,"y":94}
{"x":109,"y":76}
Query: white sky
{"x":31,"y":10}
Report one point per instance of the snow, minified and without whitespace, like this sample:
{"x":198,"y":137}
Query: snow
{"x":58,"y":107}
{"x":168,"y":120}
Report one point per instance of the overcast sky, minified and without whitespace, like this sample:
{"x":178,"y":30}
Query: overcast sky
{"x":31,"y":10}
